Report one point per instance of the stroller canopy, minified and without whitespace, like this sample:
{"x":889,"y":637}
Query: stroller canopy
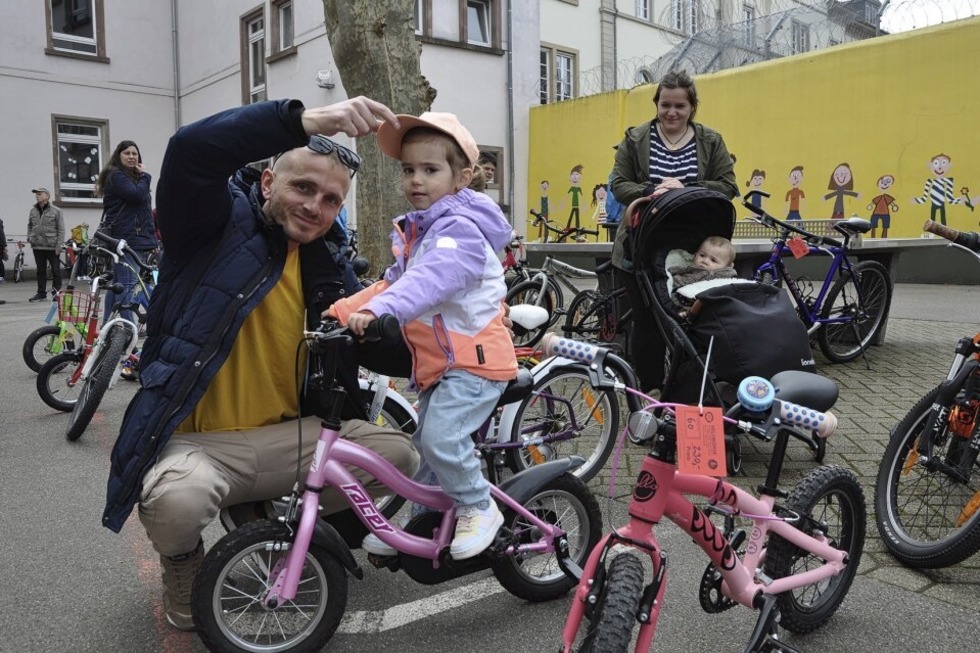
{"x":681,"y":219}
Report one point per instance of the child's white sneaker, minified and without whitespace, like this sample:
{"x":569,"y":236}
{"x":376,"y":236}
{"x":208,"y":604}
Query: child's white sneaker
{"x":373,"y":544}
{"x":475,"y":530}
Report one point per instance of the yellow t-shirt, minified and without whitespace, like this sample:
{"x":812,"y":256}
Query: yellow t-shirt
{"x":256,"y":385}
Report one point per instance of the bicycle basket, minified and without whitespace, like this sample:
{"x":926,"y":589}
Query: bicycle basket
{"x":76,"y":307}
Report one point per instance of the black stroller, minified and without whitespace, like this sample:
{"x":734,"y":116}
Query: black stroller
{"x":751,"y":328}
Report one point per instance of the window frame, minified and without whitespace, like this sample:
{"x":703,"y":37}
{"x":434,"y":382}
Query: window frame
{"x":279,"y":51}
{"x":102,"y":140}
{"x":641,"y":9}
{"x":493,"y":23}
{"x":750,"y":15}
{"x":799,"y":36}
{"x":551,"y":53}
{"x":98,"y":40}
{"x":684,"y":15}
{"x":247,"y":39}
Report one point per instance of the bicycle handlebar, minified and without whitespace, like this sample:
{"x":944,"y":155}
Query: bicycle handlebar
{"x":823,"y":424}
{"x":967,"y":239}
{"x":119,"y":246}
{"x":768,"y":220}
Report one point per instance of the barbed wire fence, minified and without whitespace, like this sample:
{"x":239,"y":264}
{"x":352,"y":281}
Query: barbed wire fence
{"x":798,"y":26}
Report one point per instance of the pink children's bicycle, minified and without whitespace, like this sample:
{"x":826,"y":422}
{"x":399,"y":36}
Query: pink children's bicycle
{"x":281,"y":585}
{"x":793,"y":561}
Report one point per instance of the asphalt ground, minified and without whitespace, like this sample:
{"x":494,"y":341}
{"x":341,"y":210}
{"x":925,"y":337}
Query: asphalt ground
{"x":74,"y":586}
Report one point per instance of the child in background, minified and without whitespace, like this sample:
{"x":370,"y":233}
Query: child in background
{"x":715,"y":259}
{"x":446,"y":290}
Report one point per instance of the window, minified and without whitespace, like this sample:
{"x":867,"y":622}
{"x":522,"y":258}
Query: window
{"x":684,"y":15}
{"x":79,"y":144}
{"x":253,"y":57}
{"x":282,"y":25}
{"x":419,"y":16}
{"x":643,"y":9}
{"x":558,"y":73}
{"x":748,"y":13}
{"x":74,"y":29}
{"x":478,"y":24}
{"x":800,"y":37}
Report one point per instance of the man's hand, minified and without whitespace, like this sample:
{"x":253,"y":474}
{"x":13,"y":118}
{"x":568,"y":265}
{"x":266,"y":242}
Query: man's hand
{"x":358,"y":322}
{"x":355,"y":117}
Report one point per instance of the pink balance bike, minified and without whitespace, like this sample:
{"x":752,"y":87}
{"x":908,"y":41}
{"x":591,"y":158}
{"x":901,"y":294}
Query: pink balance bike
{"x":281,"y":585}
{"x":793,"y":561}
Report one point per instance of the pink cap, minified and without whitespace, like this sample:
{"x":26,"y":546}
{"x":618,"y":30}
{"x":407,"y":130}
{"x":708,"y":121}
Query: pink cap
{"x":390,"y":139}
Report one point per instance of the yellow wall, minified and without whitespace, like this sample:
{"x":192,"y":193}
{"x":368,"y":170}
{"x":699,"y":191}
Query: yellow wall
{"x":883,"y":106}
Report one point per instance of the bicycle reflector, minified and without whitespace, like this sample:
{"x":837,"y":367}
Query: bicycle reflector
{"x":641,"y":426}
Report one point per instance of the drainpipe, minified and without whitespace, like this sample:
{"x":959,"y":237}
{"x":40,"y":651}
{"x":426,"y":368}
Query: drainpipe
{"x":175,"y":42}
{"x":510,"y":110}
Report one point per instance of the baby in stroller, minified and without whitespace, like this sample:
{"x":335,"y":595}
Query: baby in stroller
{"x":713,"y":260}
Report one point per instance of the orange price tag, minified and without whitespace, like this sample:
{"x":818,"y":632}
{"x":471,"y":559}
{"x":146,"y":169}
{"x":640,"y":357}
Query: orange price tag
{"x":798,"y":246}
{"x":700,"y":441}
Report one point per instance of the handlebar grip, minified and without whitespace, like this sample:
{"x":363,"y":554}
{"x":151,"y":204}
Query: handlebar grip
{"x":385,"y":327}
{"x":968,"y":239}
{"x":823,"y":424}
{"x":555,"y":345}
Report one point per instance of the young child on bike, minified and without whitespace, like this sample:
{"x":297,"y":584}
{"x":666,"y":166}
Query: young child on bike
{"x":446,"y":290}
{"x":714,"y":259}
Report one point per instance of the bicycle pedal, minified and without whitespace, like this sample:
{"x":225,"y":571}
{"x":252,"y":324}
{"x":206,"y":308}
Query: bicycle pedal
{"x":771,"y":643}
{"x":391,"y":563}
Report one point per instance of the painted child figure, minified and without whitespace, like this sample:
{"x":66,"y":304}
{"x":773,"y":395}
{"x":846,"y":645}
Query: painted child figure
{"x":446,"y":289}
{"x":715,"y":259}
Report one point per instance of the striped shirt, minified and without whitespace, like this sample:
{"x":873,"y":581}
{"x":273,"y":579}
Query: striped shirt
{"x":938,"y":191}
{"x":681,"y":164}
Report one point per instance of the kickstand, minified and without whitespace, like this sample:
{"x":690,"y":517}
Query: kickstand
{"x":765,"y":635}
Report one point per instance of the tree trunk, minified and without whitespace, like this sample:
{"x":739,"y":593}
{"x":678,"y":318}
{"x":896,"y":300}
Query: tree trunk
{"x":377,"y":55}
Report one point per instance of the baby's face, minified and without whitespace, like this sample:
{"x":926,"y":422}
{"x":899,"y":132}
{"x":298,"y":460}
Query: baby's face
{"x":711,"y":257}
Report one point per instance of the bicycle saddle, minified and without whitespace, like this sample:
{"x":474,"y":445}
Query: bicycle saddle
{"x":518,"y":388}
{"x":805,"y":388}
{"x":853,"y":226}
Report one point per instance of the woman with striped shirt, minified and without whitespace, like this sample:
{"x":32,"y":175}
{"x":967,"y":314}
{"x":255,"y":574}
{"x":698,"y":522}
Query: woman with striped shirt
{"x":670,"y":151}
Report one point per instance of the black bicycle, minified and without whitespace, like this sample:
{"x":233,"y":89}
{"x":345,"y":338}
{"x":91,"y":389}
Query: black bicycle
{"x":927,"y":494}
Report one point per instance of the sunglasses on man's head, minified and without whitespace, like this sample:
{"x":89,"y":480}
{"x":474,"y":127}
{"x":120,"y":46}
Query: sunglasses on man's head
{"x":323,"y":145}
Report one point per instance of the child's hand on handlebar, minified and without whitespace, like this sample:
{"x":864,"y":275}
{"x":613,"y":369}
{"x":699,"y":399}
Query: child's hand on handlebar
{"x":358,"y":322}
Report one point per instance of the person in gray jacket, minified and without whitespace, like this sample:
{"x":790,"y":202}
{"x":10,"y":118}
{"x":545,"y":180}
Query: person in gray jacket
{"x":46,"y":233}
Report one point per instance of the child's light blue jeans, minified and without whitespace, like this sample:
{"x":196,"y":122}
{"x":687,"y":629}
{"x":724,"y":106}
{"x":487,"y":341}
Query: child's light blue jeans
{"x":449,"y":413}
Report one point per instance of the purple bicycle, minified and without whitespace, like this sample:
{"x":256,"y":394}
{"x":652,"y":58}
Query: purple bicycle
{"x":281,"y":585}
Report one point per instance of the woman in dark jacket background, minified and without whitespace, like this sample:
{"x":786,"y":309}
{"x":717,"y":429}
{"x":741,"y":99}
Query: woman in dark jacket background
{"x":124,"y":186}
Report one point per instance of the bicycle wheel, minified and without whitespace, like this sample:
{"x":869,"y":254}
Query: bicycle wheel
{"x":235,"y":576}
{"x":53,"y":381}
{"x":567,"y":502}
{"x":547,"y":413}
{"x":43,"y":343}
{"x":393,"y":416}
{"x":830,"y":497}
{"x":927,"y":518}
{"x":864,"y":312}
{"x":614,"y":615}
{"x":94,"y":386}
{"x":528,"y":292}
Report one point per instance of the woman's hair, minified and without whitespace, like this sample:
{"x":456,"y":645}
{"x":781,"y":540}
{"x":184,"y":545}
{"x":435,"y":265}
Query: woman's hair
{"x":455,"y":156}
{"x":115,"y":163}
{"x":679,"y":79}
{"x":833,"y":185}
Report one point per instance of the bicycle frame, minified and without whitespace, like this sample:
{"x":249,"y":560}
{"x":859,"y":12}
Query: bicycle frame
{"x":660,"y":492}
{"x":809,"y":310}
{"x":557,"y":274}
{"x":328,"y":468}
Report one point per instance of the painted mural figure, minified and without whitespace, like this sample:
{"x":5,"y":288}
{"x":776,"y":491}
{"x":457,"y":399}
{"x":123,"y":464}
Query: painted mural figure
{"x":755,"y":183}
{"x":795,"y":195}
{"x":841,"y":185}
{"x":599,"y":194}
{"x":544,"y":208}
{"x":938,"y":190}
{"x":882,"y":205}
{"x":575,"y":177}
